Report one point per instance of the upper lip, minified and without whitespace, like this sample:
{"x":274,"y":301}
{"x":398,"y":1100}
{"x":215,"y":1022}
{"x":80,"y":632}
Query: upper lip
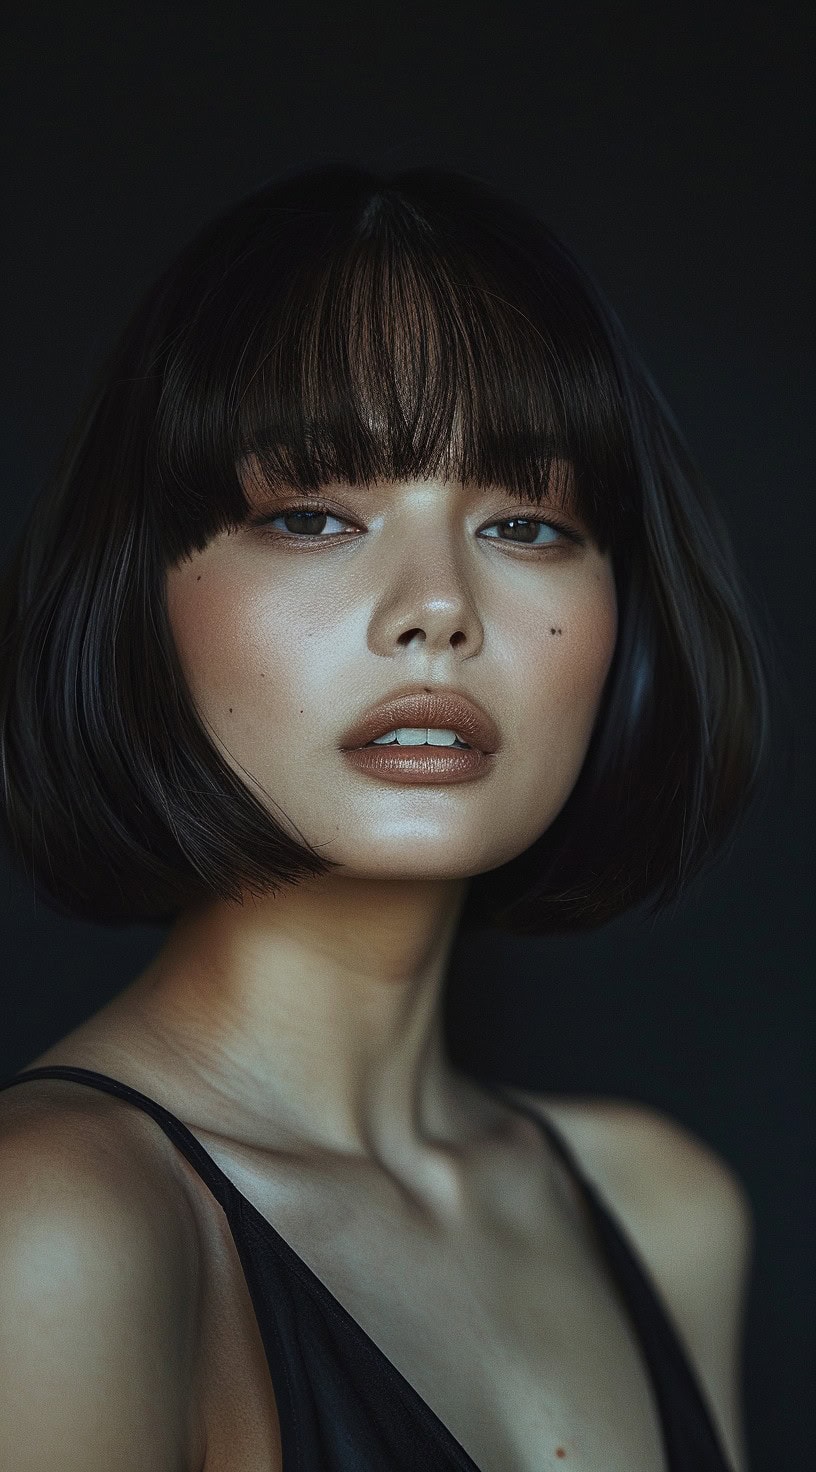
{"x":447,"y":710}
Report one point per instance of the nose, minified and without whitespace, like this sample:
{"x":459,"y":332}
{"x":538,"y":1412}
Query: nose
{"x":427,"y":602}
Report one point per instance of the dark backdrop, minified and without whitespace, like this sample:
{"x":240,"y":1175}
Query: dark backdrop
{"x":672,"y":154}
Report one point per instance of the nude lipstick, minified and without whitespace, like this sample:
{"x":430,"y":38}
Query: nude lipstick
{"x":423,"y":736}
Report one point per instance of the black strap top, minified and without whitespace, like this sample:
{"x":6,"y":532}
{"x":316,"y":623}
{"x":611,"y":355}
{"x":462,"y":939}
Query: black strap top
{"x":342,"y":1405}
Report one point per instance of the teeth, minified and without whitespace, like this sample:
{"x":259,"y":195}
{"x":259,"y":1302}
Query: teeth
{"x":440,"y":738}
{"x":418,"y":736}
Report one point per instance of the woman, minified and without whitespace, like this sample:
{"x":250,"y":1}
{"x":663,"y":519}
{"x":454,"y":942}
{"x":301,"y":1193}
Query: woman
{"x":376,"y":596}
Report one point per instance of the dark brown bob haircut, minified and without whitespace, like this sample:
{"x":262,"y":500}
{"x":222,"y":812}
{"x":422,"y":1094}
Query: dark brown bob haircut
{"x":348,"y":326}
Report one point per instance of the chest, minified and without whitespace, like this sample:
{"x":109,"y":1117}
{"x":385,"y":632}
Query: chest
{"x":509,"y":1327}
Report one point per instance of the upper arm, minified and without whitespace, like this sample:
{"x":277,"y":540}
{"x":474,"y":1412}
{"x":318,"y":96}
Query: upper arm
{"x":691,"y":1220}
{"x":97,"y":1310}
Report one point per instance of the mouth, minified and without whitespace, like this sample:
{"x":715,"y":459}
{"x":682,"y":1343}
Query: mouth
{"x":417,"y":737}
{"x":419,"y":765}
{"x":443,"y":719}
{"x":424,"y":737}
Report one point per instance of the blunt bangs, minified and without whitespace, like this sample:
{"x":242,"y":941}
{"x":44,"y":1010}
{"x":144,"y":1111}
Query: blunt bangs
{"x":341,"y":334}
{"x":343,"y":326}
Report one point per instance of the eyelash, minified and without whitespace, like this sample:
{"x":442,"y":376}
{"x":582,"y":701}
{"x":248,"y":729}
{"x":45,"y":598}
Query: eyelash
{"x":317,"y":508}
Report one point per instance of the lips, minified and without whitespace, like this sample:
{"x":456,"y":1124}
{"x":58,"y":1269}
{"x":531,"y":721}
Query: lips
{"x":447,"y":710}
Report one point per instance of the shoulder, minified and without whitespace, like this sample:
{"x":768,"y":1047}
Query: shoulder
{"x":652,"y":1162}
{"x":98,"y":1289}
{"x":67,"y":1139}
{"x":690,"y":1218}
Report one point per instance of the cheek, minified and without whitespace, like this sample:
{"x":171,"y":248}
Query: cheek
{"x":562,"y":661}
{"x":221,"y":634}
{"x":202,"y":621}
{"x":249,"y":654}
{"x":559,"y":661}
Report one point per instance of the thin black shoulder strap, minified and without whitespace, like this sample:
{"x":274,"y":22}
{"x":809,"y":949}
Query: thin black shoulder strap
{"x":678,"y":1389}
{"x":555,"y":1138}
{"x":220,"y":1185}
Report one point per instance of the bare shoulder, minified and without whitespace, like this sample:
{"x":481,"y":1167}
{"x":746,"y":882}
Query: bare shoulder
{"x":690,"y":1218}
{"x":648,"y":1156}
{"x":47,"y":1121}
{"x":98,"y":1290}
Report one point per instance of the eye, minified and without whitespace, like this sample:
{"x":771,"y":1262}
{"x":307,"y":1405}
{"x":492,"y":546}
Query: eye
{"x":524,"y":531}
{"x":301,"y":523}
{"x":308,"y":523}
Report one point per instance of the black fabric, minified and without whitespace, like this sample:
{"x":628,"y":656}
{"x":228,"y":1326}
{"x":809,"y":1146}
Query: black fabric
{"x":342,"y":1405}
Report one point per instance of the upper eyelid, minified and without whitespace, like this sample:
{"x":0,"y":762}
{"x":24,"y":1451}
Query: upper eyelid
{"x":321,"y":509}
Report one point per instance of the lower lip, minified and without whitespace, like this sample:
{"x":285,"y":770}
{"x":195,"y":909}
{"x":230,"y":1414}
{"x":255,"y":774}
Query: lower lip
{"x":419,"y":765}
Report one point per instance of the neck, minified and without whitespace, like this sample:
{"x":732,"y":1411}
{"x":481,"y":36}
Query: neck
{"x":320,"y":1009}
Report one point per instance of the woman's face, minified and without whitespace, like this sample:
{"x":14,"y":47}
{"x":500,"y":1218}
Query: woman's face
{"x":287,"y":632}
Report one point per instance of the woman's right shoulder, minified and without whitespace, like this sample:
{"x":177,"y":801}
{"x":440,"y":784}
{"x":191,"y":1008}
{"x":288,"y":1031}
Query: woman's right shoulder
{"x":99,"y":1289}
{"x":60,"y":1140}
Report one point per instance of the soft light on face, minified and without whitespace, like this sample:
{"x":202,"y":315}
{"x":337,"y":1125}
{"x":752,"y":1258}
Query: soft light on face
{"x":287,"y":631}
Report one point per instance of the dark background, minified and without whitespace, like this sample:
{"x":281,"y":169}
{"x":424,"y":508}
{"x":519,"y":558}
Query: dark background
{"x":670,"y":149}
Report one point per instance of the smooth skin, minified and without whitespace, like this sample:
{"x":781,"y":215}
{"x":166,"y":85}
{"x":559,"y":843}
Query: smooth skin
{"x":300,"y":1035}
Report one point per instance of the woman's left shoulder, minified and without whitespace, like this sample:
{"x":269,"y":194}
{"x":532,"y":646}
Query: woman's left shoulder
{"x":690,"y":1217}
{"x":654,"y":1160}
